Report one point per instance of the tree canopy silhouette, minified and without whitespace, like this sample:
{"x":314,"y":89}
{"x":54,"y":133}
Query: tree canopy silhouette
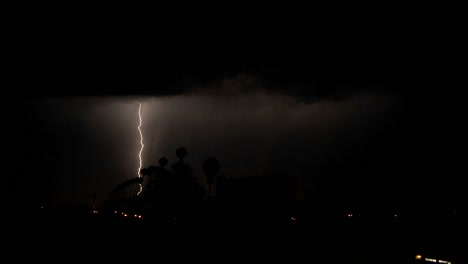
{"x":210,"y":168}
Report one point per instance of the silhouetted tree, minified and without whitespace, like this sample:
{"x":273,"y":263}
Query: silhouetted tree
{"x":181,"y":153}
{"x":180,"y":168}
{"x":158,"y":190}
{"x":187,"y":191}
{"x":210,"y":168}
{"x":163,"y":189}
{"x":163,"y":162}
{"x":221,"y":182}
{"x":149,"y":173}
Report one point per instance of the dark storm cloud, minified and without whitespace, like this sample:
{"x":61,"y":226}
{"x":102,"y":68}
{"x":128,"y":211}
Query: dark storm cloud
{"x":307,"y":80}
{"x":88,"y":144}
{"x":305,"y":86}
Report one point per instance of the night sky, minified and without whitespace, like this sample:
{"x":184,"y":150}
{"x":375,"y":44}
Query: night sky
{"x":355,"y":108}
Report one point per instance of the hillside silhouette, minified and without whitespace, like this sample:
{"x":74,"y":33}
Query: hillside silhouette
{"x":270,"y":209}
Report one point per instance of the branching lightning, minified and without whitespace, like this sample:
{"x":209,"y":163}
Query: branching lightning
{"x":141,"y":149}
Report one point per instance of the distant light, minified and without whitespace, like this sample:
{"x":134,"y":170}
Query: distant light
{"x":125,"y":215}
{"x":115,"y":211}
{"x":139,"y":216}
{"x":136,"y":215}
{"x":293,"y":218}
{"x":350,"y":215}
{"x":434,"y":260}
{"x":395,"y":216}
{"x":418,"y":256}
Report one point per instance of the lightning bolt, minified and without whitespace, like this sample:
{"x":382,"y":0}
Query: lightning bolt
{"x":141,"y":149}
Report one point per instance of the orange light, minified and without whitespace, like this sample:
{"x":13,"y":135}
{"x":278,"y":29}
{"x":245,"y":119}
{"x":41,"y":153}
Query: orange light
{"x":418,"y":256}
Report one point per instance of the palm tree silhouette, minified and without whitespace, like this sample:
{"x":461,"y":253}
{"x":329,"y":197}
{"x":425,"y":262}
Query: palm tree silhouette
{"x":181,"y":153}
{"x":210,"y":168}
{"x":163,"y":162}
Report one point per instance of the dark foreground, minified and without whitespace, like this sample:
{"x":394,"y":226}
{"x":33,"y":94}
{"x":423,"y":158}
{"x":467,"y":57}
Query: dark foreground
{"x":311,"y":239}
